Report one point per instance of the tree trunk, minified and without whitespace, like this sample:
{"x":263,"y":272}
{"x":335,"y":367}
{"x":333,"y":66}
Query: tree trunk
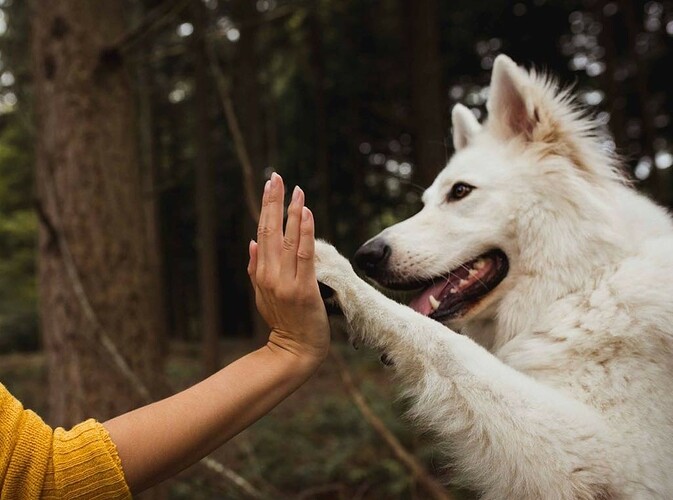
{"x":247,"y":91}
{"x":148,"y":132}
{"x":325,"y":226}
{"x":94,"y":276}
{"x":205,"y":204}
{"x":248,"y":102}
{"x":616,"y":98}
{"x":428,"y":104}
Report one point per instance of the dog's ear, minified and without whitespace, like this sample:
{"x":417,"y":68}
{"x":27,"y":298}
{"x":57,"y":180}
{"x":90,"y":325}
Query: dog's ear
{"x":465,"y":126}
{"x":509,"y":106}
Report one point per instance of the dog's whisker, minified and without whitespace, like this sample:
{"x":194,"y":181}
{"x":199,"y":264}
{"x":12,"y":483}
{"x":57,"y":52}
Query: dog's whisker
{"x":416,"y":187}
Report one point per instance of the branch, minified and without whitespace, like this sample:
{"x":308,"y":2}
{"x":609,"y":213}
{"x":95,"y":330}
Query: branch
{"x":154,"y":19}
{"x":429,"y":483}
{"x":249,"y":191}
{"x":230,"y":475}
{"x":46,"y":222}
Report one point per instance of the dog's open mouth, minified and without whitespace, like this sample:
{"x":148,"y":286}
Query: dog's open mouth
{"x":451,"y":296}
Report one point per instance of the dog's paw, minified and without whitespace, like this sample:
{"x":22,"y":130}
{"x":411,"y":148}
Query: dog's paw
{"x":334,"y":274}
{"x":332,"y":269}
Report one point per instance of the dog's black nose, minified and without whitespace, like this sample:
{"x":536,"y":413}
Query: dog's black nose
{"x":372,"y":256}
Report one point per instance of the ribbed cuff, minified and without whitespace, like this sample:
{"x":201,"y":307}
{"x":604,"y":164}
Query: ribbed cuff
{"x":86,"y":464}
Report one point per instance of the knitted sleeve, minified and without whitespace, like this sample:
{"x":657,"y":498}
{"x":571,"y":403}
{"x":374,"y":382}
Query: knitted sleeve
{"x":38,"y":462}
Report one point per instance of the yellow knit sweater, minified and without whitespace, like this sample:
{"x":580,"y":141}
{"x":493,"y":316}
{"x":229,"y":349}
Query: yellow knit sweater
{"x":38,"y":462}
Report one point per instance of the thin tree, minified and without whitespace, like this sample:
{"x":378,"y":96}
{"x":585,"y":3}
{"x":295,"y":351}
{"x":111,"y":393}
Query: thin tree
{"x":248,"y":103}
{"x":205,"y":200}
{"x":148,"y":132}
{"x":427,"y":99}
{"x":322,"y":167}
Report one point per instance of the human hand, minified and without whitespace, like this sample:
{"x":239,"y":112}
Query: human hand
{"x":282,"y":272}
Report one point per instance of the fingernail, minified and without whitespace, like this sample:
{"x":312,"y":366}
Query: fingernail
{"x":267,"y":186}
{"x":305,"y":214}
{"x":296,"y":193}
{"x":274,"y":179}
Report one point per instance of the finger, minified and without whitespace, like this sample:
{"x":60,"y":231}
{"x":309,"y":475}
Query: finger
{"x":306,"y":249}
{"x":291,"y":238}
{"x":261,"y":226}
{"x":252,"y":263}
{"x":270,"y":229}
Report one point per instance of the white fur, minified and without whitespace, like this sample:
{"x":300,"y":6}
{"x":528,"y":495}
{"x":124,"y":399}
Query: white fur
{"x":561,"y":386}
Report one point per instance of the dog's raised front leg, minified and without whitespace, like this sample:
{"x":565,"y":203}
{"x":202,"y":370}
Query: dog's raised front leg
{"x":511,"y":436}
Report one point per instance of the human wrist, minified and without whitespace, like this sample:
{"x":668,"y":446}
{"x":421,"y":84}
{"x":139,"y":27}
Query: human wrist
{"x":297,"y":359}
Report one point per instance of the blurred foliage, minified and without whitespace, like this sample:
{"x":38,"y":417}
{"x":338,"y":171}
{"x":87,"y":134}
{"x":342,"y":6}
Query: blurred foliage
{"x":18,"y":223}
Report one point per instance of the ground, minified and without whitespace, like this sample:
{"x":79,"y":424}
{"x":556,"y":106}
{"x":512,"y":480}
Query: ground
{"x":314,"y":445}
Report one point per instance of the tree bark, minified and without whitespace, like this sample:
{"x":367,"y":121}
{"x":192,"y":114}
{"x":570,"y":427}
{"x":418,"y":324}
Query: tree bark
{"x":89,"y":186}
{"x":148,"y":132}
{"x":428,"y":103}
{"x":209,"y":286}
{"x":248,"y":104}
{"x":616,"y":100}
{"x":322,"y":166}
{"x":247,"y":91}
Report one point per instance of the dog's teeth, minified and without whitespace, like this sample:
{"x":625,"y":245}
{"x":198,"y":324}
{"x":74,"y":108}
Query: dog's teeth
{"x":473,"y":272}
{"x":433,"y":302}
{"x":453,"y":290}
{"x":462,"y":283}
{"x":479,"y":264}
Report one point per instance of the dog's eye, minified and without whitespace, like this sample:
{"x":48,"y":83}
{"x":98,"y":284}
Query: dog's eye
{"x":458,"y":191}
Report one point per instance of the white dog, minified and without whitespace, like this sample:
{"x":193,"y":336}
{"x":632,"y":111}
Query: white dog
{"x":559,"y":278}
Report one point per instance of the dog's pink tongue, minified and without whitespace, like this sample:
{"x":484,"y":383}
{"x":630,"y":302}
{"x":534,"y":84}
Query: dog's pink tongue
{"x":422,"y":304}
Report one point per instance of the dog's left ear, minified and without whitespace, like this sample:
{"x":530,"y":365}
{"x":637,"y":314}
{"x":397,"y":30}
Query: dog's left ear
{"x":465,"y":126}
{"x":509,"y":106}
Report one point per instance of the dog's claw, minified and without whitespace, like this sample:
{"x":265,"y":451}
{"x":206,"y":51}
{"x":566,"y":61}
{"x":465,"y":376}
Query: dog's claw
{"x":355,"y":344}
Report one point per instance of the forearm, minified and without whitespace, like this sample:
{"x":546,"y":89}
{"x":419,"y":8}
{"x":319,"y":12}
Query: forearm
{"x":161,"y":439}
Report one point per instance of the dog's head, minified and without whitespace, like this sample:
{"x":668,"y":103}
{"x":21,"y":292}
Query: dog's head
{"x":490,"y":204}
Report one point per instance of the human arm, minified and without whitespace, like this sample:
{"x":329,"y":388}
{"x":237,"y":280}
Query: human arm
{"x":157,"y":441}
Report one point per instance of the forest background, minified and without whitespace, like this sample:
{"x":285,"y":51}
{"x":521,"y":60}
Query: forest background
{"x":135,"y":137}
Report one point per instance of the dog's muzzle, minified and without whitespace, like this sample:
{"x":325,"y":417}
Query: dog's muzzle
{"x":372,"y":257}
